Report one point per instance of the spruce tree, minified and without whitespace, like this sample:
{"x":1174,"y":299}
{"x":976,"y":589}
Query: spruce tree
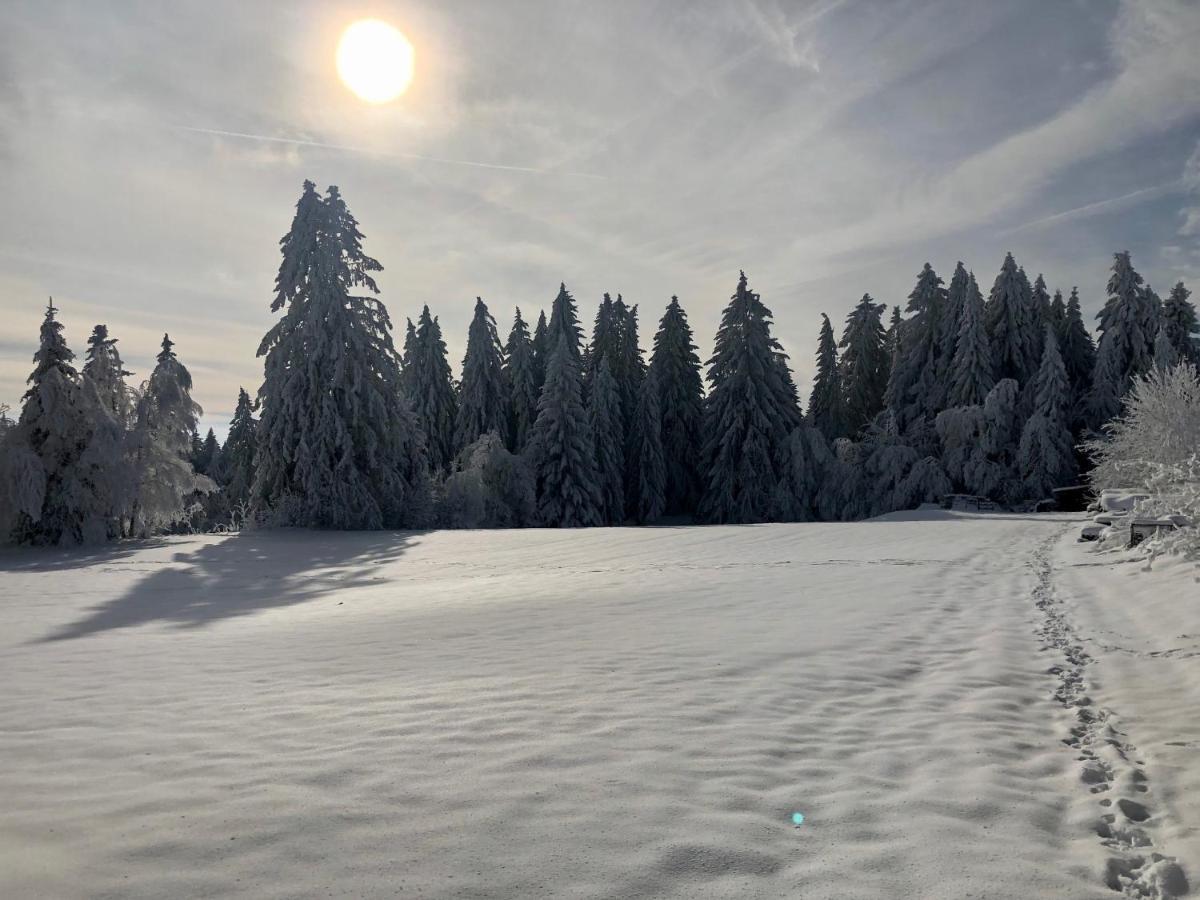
{"x":406,"y":355}
{"x":339,"y":445}
{"x":865,"y":364}
{"x":481,"y":407}
{"x":1079,"y":358}
{"x":205,"y":461}
{"x":1104,"y":396}
{"x":1058,"y":316}
{"x":916,"y":390}
{"x":238,"y":454}
{"x":541,"y":350}
{"x":561,"y":449}
{"x":521,"y":382}
{"x":161,"y":446}
{"x":1039,"y":314}
{"x":650,"y":465}
{"x":1166,"y":357}
{"x":1179,"y":319}
{"x":608,"y":437}
{"x":107,"y":373}
{"x":564,"y":322}
{"x":63,"y":455}
{"x":972,"y":374}
{"x":749,"y":415}
{"x":1006,"y":318}
{"x":605,"y":339}
{"x":431,"y":391}
{"x":825,"y":410}
{"x":1045,"y":457}
{"x":1129,"y":321}
{"x":951,"y":323}
{"x":681,"y":405}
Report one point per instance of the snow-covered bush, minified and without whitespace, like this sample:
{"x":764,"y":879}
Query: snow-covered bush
{"x":1155,"y":444}
{"x":490,"y":488}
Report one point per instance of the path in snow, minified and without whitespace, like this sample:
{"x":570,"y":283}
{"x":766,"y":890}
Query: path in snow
{"x":598,"y":713}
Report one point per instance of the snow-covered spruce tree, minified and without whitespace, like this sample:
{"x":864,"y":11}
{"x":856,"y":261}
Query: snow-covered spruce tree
{"x":1006,"y":318}
{"x":1079,"y":358}
{"x":564,"y":322}
{"x":541,"y":349}
{"x":961,"y":431}
{"x":481,"y":406}
{"x":431,"y":391}
{"x":1103,"y":400}
{"x":561,"y":451}
{"x":489,"y":488}
{"x":1179,"y":318}
{"x":605,"y":341}
{"x":749,"y":415}
{"x":1046,"y":457}
{"x":406,"y":355}
{"x":160,"y":447}
{"x":608,"y":437}
{"x":887,"y":461}
{"x":649,"y":464}
{"x":915,"y":391}
{"x":801,"y":495}
{"x":237,"y":456}
{"x":62,"y":465}
{"x":972,"y":373}
{"x":681,"y":405}
{"x":521,"y":383}
{"x":1001,"y":438}
{"x":864,"y":365}
{"x":629,"y":369}
{"x":1039,"y":314}
{"x":339,"y":446}
{"x":926,"y":482}
{"x":1165,"y":355}
{"x":825,"y":405}
{"x":1058,"y":317}
{"x":951,"y":320}
{"x":1129,"y":320}
{"x":206,"y":456}
{"x":107,"y":373}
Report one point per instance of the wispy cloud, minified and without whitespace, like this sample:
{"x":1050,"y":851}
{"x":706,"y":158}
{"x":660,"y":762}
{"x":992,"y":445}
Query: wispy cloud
{"x":1100,"y":207}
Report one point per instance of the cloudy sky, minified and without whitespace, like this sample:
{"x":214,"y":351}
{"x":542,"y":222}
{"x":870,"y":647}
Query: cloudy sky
{"x":153,"y":152}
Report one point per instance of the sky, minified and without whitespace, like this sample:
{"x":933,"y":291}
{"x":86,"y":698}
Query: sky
{"x":153,"y":154}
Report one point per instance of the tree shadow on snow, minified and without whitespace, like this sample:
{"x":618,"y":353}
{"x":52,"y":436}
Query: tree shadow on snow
{"x":243,"y":574}
{"x":57,"y":559}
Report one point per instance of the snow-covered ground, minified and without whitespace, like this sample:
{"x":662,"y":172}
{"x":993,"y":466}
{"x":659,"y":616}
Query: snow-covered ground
{"x":955,"y":703}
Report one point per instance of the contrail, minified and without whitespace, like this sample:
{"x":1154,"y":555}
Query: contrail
{"x":345,"y":148}
{"x":1100,"y":206}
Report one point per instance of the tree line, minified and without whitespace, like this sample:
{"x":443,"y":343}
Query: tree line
{"x":955,"y":393}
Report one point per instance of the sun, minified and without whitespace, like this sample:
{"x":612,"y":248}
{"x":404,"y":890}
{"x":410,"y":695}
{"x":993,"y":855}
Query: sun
{"x":375,"y":60}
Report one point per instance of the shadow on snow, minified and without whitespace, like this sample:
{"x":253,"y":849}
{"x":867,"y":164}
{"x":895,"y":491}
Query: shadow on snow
{"x":243,"y":574}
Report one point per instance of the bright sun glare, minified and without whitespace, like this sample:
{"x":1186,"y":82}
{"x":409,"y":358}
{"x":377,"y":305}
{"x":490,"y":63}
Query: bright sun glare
{"x":375,"y":60}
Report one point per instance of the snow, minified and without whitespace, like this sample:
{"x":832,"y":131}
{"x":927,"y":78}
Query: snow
{"x":595,"y":713}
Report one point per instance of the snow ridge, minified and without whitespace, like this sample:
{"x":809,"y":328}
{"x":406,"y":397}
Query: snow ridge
{"x":1108,"y":760}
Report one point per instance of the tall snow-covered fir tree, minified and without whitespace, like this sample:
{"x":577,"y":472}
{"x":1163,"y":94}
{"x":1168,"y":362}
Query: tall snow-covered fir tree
{"x":1128,"y":325}
{"x":206,"y":457}
{"x":564,"y":322}
{"x":609,"y":441}
{"x":1006,"y":318}
{"x":650,"y":480}
{"x":1045,"y":457}
{"x":1039,"y":313}
{"x":951,"y":320}
{"x":1058,"y":316}
{"x":161,"y":446}
{"x":339,"y":445}
{"x":430,"y":389}
{"x":107,"y":373}
{"x":481,"y":406}
{"x":1166,"y":357}
{"x":561,"y":450}
{"x":629,"y":369}
{"x":1079,"y":358}
{"x":749,"y":416}
{"x":62,"y":460}
{"x":521,"y":383}
{"x":681,"y":406}
{"x":972,"y":372}
{"x":238,"y":454}
{"x":541,"y":349}
{"x":865,"y":364}
{"x":825,"y":403}
{"x":1179,"y":319}
{"x":605,"y":340}
{"x":915,"y":391}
